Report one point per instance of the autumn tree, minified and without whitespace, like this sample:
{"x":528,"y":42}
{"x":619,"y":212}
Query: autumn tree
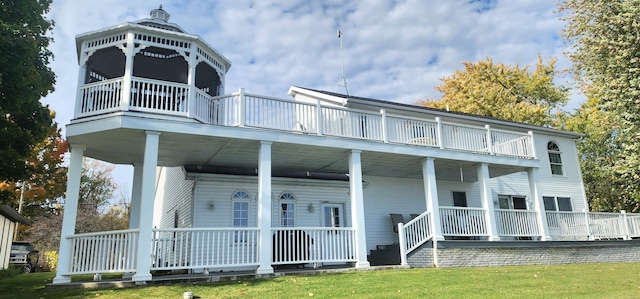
{"x":95,"y":211}
{"x":605,"y":51}
{"x":25,"y":77}
{"x":46,"y":182}
{"x":502,"y":91}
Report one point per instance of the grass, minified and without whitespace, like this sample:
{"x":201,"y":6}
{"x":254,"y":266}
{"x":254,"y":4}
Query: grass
{"x":619,"y":280}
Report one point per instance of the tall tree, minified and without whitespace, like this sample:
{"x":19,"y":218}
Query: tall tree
{"x":502,"y":91}
{"x":95,"y":212}
{"x":25,"y":77}
{"x":605,"y":42}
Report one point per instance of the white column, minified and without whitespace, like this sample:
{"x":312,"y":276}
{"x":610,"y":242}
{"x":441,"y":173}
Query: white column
{"x":70,"y":213}
{"x":538,"y":203}
{"x":264,"y":208}
{"x":191,"y":80}
{"x":487,"y":201}
{"x":136,"y":193}
{"x":129,"y":54}
{"x":143,"y":263}
{"x":357,"y":208}
{"x":431,"y":193}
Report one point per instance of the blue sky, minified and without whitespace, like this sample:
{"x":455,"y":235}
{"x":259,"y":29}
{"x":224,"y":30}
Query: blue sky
{"x":393,"y":50}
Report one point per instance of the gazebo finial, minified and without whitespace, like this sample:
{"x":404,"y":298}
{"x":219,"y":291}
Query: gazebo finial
{"x":160,"y":13}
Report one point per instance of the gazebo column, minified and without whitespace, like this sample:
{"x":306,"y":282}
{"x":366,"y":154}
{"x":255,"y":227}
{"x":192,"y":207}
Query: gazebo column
{"x":264,"y":208}
{"x":357,"y":208}
{"x":487,"y":201}
{"x":431,"y":192}
{"x":149,"y":167}
{"x":70,"y":213}
{"x":538,"y":204}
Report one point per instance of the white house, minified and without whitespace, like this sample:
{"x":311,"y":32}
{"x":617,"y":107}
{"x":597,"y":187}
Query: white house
{"x":238,"y":181}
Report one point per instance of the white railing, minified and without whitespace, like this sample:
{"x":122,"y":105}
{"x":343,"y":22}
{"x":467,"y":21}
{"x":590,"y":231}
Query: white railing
{"x":302,"y":245}
{"x":567,"y":225}
{"x":240,"y":109}
{"x":100,"y":97}
{"x":458,"y":221}
{"x":511,"y":143}
{"x":103,"y":252}
{"x":633,"y":225}
{"x":517,"y":223}
{"x":159,"y":96}
{"x":197,"y":248}
{"x":415,"y":232}
{"x":607,"y":225}
{"x":412,"y":131}
{"x":467,"y":138}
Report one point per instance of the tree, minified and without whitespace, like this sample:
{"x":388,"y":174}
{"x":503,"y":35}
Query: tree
{"x":25,"y":77}
{"x":502,"y":91}
{"x":605,"y":42}
{"x":95,"y":212}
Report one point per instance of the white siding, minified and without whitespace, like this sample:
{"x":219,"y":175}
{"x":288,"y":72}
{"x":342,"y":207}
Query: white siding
{"x":6,"y":237}
{"x":174,"y":192}
{"x":219,"y":190}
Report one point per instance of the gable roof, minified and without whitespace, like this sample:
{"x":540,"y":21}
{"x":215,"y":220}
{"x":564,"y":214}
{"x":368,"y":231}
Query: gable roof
{"x":11,"y":214}
{"x":349,"y":100}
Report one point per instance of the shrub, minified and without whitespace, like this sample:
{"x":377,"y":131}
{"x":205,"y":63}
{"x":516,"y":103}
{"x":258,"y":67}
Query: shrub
{"x":51,"y":258}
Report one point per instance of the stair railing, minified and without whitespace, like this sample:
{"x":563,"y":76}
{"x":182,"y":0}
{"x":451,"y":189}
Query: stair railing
{"x":413,"y":234}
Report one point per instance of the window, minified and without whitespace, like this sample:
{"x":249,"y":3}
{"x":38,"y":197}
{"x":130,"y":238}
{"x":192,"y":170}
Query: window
{"x":240,"y":213}
{"x":512,"y":202}
{"x":287,"y":210}
{"x":554,"y":158}
{"x":562,"y":204}
{"x":459,"y":199}
{"x":332,"y":215}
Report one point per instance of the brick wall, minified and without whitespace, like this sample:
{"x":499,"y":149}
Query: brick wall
{"x":534,"y":253}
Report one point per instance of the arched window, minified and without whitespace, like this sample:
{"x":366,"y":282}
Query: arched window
{"x":287,"y":209}
{"x":240,"y":202}
{"x":554,"y":158}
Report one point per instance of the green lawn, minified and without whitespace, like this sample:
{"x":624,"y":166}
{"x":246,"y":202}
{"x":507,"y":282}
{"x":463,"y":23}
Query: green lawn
{"x":620,"y":280}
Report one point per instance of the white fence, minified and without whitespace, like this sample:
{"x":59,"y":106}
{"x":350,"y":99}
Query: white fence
{"x":302,"y":245}
{"x":458,"y":221}
{"x":517,"y":223}
{"x":198,"y":248}
{"x":102,"y":252}
{"x":240,"y":109}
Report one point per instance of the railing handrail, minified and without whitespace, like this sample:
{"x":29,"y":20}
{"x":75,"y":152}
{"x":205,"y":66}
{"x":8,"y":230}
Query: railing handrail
{"x":102,"y":82}
{"x":192,"y":229}
{"x":462,"y":208}
{"x":103,"y":233}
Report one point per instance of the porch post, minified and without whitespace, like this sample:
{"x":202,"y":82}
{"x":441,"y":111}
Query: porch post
{"x":538,"y":204}
{"x":148,"y":186}
{"x":264,"y":208}
{"x":357,"y":208}
{"x":487,"y":202}
{"x":129,"y":54}
{"x":431,"y":192}
{"x":136,"y":190}
{"x":70,"y":213}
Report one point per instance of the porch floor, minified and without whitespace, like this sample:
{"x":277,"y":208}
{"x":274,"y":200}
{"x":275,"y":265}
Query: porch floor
{"x":214,"y":277}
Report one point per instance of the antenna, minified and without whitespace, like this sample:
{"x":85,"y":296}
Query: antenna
{"x":343,"y":81}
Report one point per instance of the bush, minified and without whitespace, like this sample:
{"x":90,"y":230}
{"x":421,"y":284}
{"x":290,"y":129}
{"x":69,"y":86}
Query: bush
{"x":51,"y":260}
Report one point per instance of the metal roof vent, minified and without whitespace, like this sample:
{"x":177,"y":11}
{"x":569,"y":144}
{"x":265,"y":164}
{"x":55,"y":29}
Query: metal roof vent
{"x":160,"y":14}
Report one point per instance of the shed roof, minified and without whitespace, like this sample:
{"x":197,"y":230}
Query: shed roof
{"x":11,"y":214}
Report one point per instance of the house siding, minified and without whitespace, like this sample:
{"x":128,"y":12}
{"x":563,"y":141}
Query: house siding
{"x":174,"y":192}
{"x":6,"y":236}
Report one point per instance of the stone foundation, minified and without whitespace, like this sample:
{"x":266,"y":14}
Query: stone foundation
{"x":505,"y":253}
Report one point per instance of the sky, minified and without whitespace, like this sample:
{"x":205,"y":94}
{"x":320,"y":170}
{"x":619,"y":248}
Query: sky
{"x":392,"y":50}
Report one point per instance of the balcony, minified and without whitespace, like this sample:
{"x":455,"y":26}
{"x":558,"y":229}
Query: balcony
{"x":287,"y":115}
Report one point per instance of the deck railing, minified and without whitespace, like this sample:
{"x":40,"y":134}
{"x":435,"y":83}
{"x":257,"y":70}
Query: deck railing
{"x":198,"y":248}
{"x":302,"y":245}
{"x":517,"y":223}
{"x":103,"y":252}
{"x":458,"y":221}
{"x":240,"y":109}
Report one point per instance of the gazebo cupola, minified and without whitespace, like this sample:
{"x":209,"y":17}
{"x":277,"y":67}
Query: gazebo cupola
{"x":150,"y":65}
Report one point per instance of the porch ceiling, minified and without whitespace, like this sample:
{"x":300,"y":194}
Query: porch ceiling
{"x":126,"y":146}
